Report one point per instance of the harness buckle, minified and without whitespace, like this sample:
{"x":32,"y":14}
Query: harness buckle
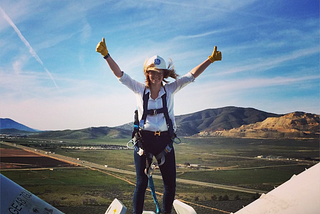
{"x":140,"y":152}
{"x":155,"y":112}
{"x":157,"y":133}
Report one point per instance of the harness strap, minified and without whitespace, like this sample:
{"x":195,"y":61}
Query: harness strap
{"x":145,"y":98}
{"x":166,"y":116}
{"x":152,"y":112}
{"x":161,"y":157}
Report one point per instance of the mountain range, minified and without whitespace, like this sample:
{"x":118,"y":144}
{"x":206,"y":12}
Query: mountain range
{"x":292,"y":125}
{"x":219,"y":119}
{"x":227,"y":121}
{"x":8,"y":125}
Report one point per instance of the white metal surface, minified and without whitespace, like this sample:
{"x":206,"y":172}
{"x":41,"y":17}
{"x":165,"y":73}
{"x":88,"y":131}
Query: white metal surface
{"x":16,"y":200}
{"x":116,"y":207}
{"x":300,"y":194}
{"x":182,"y":208}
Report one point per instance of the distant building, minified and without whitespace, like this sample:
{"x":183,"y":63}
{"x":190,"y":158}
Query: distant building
{"x":197,"y":166}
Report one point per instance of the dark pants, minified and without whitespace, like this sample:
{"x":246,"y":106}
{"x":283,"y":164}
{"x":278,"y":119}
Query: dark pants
{"x":155,"y":145}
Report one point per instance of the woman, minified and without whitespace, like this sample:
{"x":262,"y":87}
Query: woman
{"x":156,"y":98}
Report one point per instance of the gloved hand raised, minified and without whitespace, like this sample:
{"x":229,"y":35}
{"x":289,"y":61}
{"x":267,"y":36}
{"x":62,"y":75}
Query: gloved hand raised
{"x":216,"y":55}
{"x":102,"y":48}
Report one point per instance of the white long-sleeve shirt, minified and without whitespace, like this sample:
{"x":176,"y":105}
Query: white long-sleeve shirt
{"x":156,"y":122}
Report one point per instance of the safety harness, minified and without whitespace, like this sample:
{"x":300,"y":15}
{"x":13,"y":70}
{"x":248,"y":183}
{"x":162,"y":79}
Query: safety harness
{"x":136,"y":140}
{"x":164,"y":110}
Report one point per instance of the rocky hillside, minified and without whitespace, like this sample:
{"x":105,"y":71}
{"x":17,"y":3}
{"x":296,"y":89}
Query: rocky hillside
{"x":226,"y":118}
{"x":292,"y":125}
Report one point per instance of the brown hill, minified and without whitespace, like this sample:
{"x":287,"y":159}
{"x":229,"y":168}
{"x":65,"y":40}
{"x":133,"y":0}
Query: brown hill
{"x":292,"y":125}
{"x":219,"y":119}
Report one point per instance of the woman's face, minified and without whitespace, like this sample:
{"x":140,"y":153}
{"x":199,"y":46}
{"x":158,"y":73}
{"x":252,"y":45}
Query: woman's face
{"x":155,"y":77}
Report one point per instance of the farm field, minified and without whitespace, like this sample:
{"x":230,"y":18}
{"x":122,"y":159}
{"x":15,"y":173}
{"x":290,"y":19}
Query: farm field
{"x":218,"y":160}
{"x":20,"y":159}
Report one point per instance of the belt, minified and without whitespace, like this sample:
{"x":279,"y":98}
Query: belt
{"x":155,"y":133}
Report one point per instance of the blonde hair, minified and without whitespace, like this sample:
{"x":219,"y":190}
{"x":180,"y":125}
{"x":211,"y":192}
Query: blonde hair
{"x":169,"y":72}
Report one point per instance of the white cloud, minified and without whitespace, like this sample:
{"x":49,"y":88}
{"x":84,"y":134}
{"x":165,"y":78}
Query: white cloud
{"x":229,"y":5}
{"x":270,"y":61}
{"x":219,"y":93}
{"x":238,"y":85}
{"x":26,"y":43}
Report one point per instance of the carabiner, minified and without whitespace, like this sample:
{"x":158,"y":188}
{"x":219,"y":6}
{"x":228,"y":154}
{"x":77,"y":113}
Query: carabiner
{"x":132,"y":142}
{"x":176,"y":140}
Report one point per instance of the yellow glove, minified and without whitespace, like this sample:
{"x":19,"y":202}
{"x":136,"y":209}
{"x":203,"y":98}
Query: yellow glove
{"x":102,"y":48}
{"x":216,"y":55}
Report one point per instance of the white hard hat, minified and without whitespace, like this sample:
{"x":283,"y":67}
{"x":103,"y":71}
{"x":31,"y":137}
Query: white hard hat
{"x":157,"y":61}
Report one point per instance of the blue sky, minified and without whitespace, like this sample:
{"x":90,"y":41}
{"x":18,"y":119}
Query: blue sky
{"x":51,"y":78}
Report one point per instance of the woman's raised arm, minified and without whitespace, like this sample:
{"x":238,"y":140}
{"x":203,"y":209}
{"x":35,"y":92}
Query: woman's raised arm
{"x":215,"y":56}
{"x":102,"y":49}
